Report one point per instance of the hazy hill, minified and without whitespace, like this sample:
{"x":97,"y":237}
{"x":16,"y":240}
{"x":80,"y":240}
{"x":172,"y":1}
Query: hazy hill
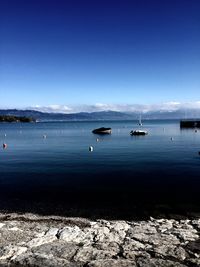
{"x":103,"y":115}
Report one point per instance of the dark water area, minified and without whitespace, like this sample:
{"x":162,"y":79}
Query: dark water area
{"x":124,"y":177}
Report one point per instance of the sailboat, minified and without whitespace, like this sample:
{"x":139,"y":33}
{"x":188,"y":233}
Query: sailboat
{"x":139,"y":132}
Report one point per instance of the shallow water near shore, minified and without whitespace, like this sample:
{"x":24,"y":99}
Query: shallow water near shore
{"x":122,"y":173}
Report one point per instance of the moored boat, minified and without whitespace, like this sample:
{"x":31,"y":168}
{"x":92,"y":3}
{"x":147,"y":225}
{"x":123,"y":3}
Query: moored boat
{"x":138,"y":132}
{"x":102,"y":130}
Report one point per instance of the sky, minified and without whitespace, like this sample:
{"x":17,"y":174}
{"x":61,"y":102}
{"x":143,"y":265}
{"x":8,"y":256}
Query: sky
{"x":73,"y":55}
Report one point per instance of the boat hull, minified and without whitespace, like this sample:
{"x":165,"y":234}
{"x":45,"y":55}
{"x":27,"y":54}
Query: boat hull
{"x":102,"y":130}
{"x":138,"y":132}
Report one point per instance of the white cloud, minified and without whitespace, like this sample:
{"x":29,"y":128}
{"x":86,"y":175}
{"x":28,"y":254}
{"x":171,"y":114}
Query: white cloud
{"x":52,"y":108}
{"x":167,"y":106}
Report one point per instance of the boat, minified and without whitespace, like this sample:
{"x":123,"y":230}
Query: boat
{"x":138,"y":132}
{"x":102,"y":130}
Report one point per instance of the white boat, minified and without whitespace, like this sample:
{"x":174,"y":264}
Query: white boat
{"x":138,"y":132}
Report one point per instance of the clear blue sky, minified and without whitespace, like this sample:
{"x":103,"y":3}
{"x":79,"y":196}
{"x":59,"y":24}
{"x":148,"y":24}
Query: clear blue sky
{"x":99,"y":51}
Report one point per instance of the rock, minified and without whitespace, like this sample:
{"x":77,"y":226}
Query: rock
{"x":112,"y":263}
{"x":193,"y":262}
{"x":194,"y":247}
{"x":39,"y":260}
{"x":38,"y":241}
{"x":59,"y":249}
{"x":110,"y":231}
{"x":131,"y":248}
{"x":151,"y":236}
{"x":2,"y":224}
{"x":176,"y":252}
{"x":11,"y":251}
{"x":89,"y":253}
{"x":75,"y":235}
{"x":185,"y":235}
{"x":112,"y":246}
{"x":52,"y":232}
{"x":196,"y":224}
{"x":15,"y":229}
{"x":152,"y":262}
{"x":42,"y":241}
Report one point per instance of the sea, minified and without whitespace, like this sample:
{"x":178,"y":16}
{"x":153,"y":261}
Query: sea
{"x":47,"y":168}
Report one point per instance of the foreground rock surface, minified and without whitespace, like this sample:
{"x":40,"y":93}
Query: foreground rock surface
{"x":30,"y":240}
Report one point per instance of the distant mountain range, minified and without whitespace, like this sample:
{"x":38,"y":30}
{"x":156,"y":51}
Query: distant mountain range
{"x":102,"y":115}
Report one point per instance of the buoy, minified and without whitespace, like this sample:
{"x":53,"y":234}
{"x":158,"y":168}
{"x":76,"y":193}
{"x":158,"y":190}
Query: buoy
{"x":44,"y":136}
{"x":172,"y":138}
{"x":5,"y":146}
{"x":91,"y":148}
{"x":97,"y":139}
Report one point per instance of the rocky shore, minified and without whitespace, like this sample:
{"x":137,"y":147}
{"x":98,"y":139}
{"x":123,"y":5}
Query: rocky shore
{"x":32,"y":240}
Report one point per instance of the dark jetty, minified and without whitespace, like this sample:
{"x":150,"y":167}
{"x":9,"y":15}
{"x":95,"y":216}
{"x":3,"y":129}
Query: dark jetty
{"x":102,"y":130}
{"x":190,"y":123}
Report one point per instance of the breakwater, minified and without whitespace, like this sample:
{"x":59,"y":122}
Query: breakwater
{"x":190,"y":123}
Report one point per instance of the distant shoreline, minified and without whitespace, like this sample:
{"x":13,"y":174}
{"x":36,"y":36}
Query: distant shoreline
{"x":101,"y":115}
{"x":10,"y":118}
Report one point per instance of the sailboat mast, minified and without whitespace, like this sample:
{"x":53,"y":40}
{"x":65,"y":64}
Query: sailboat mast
{"x":140,"y":120}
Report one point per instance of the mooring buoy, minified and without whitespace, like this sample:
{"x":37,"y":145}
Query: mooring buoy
{"x":5,"y":145}
{"x":91,"y":148}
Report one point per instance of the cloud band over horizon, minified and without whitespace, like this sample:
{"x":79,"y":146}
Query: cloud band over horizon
{"x":143,"y":108}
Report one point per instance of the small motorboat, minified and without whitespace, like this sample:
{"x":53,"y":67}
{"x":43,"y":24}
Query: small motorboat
{"x":138,"y":132}
{"x":102,"y":130}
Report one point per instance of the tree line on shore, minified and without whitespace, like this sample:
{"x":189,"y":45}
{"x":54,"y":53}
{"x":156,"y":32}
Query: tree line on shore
{"x":11,"y":118}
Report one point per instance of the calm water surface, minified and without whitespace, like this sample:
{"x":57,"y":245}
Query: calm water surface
{"x":120,"y":165}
